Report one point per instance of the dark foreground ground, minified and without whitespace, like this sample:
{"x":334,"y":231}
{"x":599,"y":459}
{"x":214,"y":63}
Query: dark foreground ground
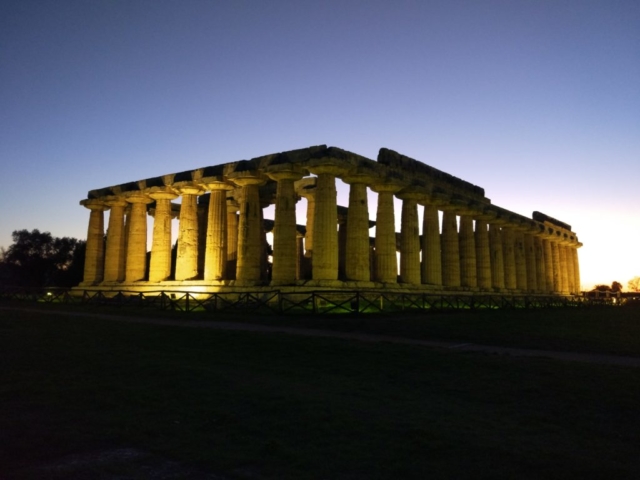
{"x":82,"y":397}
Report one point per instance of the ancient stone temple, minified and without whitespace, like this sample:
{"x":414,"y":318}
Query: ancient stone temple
{"x":467,"y":243}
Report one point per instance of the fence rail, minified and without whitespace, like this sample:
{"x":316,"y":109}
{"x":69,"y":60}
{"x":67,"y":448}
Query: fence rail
{"x":311,"y":302}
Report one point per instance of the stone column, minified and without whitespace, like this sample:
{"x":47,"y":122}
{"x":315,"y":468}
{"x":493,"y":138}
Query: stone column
{"x":215,"y":255}
{"x":94,"y":257}
{"x":557,"y":281}
{"x":431,"y":273}
{"x":548,"y":266}
{"x":541,"y":281}
{"x":530,"y":261}
{"x":409,"y":237}
{"x":114,"y":264}
{"x":483,"y":255}
{"x":187,"y":258}
{"x":386,"y":261}
{"x":160,"y":263}
{"x":357,"y":266}
{"x":576,"y":267}
{"x":250,"y":228}
{"x":468,"y":267}
{"x":299,"y":256}
{"x":450,"y":249}
{"x":342,"y":242}
{"x":564,"y":278}
{"x":497,"y":258}
{"x":508,"y":254}
{"x":232,"y":238}
{"x":521,"y":265}
{"x":325,"y":224}
{"x":136,"y":265}
{"x":310,"y":195}
{"x":285,"y":246}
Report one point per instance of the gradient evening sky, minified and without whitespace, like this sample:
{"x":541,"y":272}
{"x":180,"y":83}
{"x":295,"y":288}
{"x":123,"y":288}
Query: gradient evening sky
{"x":538,"y":102}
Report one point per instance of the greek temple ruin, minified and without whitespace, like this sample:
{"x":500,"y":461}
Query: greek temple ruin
{"x":466,"y":244}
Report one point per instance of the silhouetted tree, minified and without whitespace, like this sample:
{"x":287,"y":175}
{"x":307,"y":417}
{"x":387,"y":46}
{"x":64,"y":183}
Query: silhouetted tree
{"x":634,"y":284}
{"x":37,"y":259}
{"x":602,"y":288}
{"x":616,"y":287}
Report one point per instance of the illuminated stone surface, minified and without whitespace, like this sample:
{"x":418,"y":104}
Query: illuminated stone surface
{"x":222,"y":242}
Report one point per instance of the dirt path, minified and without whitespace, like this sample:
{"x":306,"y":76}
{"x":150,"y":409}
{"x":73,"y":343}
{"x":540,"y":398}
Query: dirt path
{"x":363,"y":337}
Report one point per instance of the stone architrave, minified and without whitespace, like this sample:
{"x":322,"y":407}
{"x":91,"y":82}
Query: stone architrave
{"x":409,"y":237}
{"x":497,"y":256}
{"x":136,"y":264}
{"x":250,"y":227}
{"x":285,"y":242}
{"x":431,"y":272}
{"x":509,"y":257}
{"x":325,"y":221}
{"x":468,"y":260}
{"x":114,"y":263}
{"x":160,"y":262}
{"x":385,"y":258}
{"x":187,"y":257}
{"x":521,"y":265}
{"x":94,"y":257}
{"x":357,"y":264}
{"x":483,"y":255}
{"x":215,"y":255}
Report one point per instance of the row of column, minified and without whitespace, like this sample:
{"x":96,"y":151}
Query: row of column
{"x":483,"y":253}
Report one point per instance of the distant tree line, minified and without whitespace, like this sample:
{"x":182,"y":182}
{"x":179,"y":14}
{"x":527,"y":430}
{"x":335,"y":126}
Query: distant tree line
{"x":38,"y":259}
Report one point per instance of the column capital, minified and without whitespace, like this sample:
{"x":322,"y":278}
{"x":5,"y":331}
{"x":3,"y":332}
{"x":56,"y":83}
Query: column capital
{"x":137,"y":196}
{"x":284,"y":171}
{"x":188,"y":188}
{"x":330,"y":166}
{"x":247,"y":177}
{"x":162,"y":193}
{"x":436,"y":199}
{"x":115,"y":201}
{"x":94,"y":204}
{"x":386,"y":186}
{"x":216,"y":182}
{"x":410,"y":193}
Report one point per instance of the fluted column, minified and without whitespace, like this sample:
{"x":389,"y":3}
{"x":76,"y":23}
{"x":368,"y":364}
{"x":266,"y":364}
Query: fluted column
{"x":215,"y":255}
{"x":409,"y":238}
{"x":431,"y":272}
{"x":285,"y":245}
{"x":497,"y":256}
{"x":564,"y":278}
{"x":160,"y":262}
{"x":250,"y":228}
{"x":386,"y":261}
{"x":541,"y":281}
{"x":450,"y":249}
{"x":521,"y":265}
{"x":508,"y":249}
{"x":310,"y":195}
{"x":468,"y":273}
{"x":557,"y":281}
{"x":299,"y":256}
{"x":187,"y":258}
{"x":114,"y":262}
{"x":548,"y":265}
{"x":483,"y":255}
{"x":357,"y":247}
{"x":232,"y":238}
{"x":136,"y":264}
{"x":94,"y":256}
{"x":325,"y":224}
{"x":576,"y":267}
{"x":530,"y":263}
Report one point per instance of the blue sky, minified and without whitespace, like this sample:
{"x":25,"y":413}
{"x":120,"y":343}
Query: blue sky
{"x":536,"y":101}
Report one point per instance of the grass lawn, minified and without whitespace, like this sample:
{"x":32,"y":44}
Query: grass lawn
{"x":265,"y":406}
